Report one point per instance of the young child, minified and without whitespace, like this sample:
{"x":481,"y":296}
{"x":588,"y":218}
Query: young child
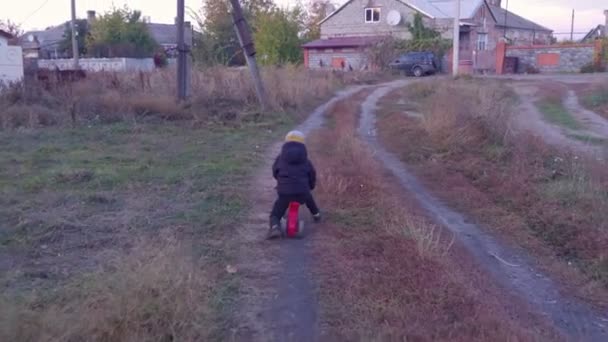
{"x":296,"y":177}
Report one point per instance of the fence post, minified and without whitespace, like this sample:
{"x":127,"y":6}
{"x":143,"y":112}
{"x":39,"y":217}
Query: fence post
{"x":598,"y":52}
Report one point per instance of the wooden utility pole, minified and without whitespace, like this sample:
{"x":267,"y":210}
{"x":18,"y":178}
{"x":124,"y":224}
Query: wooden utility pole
{"x":506,"y":17}
{"x":74,"y":41}
{"x":572,"y":27}
{"x":244,"y":34}
{"x":456,"y":43}
{"x":182,"y":53}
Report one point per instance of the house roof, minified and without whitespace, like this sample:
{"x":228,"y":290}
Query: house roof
{"x":5,"y":34}
{"x":45,"y":38}
{"x":515,"y":21}
{"x":442,"y":9}
{"x":166,"y":34}
{"x":447,"y":8}
{"x":343,"y":42}
{"x":594,"y":33}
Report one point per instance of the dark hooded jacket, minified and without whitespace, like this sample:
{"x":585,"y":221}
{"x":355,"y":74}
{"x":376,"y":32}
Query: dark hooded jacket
{"x":294,"y":173}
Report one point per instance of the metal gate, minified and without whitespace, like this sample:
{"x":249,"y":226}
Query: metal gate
{"x":484,"y":61}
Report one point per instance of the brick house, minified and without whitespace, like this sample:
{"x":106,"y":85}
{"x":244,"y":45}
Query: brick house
{"x":351,"y":29}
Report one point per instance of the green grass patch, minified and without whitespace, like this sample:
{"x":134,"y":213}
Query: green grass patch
{"x":67,"y":196}
{"x":553,"y":111}
{"x":597,"y":98}
{"x":589,"y":139}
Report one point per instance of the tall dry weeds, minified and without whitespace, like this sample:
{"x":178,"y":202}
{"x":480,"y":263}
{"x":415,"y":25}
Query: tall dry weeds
{"x":460,"y":114}
{"x":109,"y":97}
{"x":154,"y":293}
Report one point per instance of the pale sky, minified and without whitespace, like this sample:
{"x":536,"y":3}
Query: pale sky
{"x":555,"y":14}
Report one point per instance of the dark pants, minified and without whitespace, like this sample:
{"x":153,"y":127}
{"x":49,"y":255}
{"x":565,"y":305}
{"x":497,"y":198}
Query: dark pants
{"x":282,"y":203}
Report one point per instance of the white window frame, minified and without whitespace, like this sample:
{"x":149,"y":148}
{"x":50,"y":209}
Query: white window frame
{"x":372,"y":10}
{"x":482,"y":41}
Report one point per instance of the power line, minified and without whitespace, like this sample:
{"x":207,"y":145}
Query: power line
{"x":34,"y":12}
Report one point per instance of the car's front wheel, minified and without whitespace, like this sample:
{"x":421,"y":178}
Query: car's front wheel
{"x":418,"y":72}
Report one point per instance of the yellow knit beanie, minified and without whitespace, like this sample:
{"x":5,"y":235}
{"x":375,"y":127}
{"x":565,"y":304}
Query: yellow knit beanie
{"x":295,"y":136}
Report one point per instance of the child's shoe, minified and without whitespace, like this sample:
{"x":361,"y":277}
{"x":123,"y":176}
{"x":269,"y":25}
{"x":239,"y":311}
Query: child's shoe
{"x":317,"y":217}
{"x":275,"y":229}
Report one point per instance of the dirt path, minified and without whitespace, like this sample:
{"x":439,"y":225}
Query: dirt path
{"x":509,"y":267}
{"x":278,"y":299}
{"x":592,"y":121}
{"x":530,"y":119}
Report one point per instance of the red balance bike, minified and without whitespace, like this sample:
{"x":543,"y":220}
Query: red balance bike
{"x":293,"y":227}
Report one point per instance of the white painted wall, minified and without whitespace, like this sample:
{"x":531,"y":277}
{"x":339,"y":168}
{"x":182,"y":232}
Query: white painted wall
{"x":11,"y":63}
{"x":100,"y":64}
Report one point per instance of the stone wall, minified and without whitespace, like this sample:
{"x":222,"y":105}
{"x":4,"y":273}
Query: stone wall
{"x":552,"y":58}
{"x":100,"y":64}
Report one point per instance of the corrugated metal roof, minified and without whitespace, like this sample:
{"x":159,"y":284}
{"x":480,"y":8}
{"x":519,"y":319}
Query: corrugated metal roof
{"x":514,"y":20}
{"x":426,"y":7}
{"x":447,"y":8}
{"x":343,"y":42}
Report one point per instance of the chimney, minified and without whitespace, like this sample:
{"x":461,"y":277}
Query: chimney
{"x":91,"y":16}
{"x":495,"y":2}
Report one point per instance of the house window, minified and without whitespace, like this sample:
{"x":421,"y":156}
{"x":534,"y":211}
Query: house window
{"x":482,"y":41}
{"x":372,"y":15}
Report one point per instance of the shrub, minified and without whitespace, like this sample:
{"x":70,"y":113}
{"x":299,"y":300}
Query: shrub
{"x":592,"y":68}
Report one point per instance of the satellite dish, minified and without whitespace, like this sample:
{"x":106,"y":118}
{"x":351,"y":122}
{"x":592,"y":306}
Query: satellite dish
{"x":393,"y":18}
{"x":30,"y":38}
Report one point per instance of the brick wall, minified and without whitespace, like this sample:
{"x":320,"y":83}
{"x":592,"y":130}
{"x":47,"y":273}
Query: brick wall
{"x":552,"y":58}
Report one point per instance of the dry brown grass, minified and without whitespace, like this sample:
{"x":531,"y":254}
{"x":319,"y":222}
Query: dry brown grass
{"x":153,"y":293}
{"x":550,"y":201}
{"x":382,"y":268}
{"x":458,"y":114}
{"x":109,"y":97}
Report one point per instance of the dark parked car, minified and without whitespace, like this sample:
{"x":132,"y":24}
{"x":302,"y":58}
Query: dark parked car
{"x":416,"y":63}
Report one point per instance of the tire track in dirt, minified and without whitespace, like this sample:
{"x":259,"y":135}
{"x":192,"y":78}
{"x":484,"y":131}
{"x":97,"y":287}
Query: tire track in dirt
{"x":277,"y":297}
{"x":595,"y":123}
{"x":530,"y":119}
{"x":509,"y":267}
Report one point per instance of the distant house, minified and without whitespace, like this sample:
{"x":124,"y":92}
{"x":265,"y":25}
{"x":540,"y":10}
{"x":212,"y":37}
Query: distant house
{"x":352,"y":28}
{"x":598,"y":32}
{"x":4,"y":38}
{"x":519,"y":30}
{"x":46,"y":43}
{"x":11,"y":60}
